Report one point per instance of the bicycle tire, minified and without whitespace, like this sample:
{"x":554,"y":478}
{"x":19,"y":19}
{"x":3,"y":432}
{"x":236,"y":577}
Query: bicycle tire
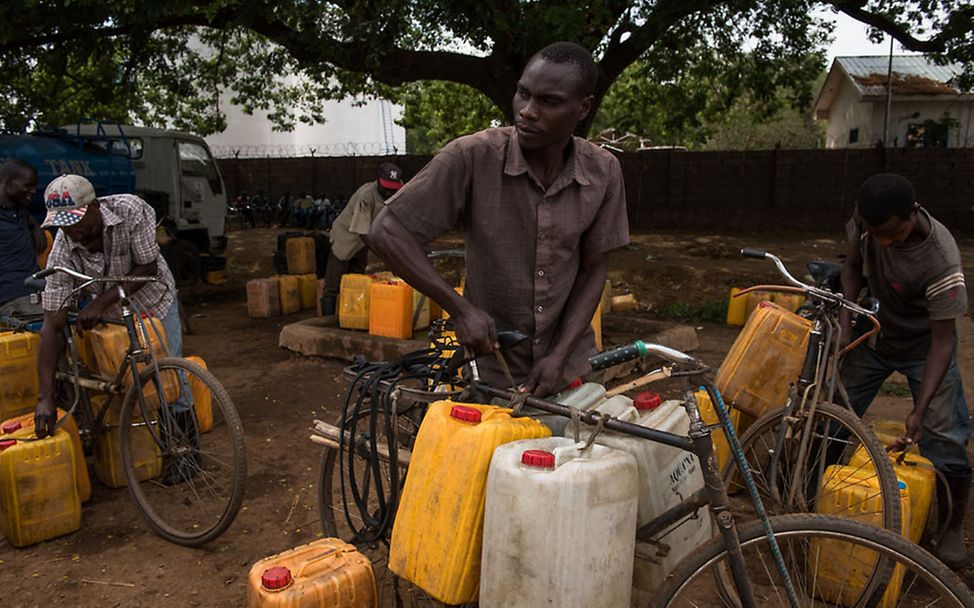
{"x":802,"y":538}
{"x":758,"y":444}
{"x":210,"y":468}
{"x":333,"y":524}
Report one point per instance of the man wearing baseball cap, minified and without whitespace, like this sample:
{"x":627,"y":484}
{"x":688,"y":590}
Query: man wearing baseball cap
{"x":349,"y":253}
{"x":108,"y":236}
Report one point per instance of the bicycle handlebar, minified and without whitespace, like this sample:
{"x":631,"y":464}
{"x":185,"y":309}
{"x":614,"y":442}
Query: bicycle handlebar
{"x":817,"y":292}
{"x":810,"y":289}
{"x":636,"y":350}
{"x":83,"y":277}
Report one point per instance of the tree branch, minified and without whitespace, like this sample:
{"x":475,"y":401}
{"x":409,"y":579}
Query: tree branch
{"x":856,"y":10}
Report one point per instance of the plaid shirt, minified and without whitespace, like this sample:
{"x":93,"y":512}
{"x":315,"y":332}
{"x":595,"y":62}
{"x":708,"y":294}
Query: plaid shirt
{"x":129,"y":240}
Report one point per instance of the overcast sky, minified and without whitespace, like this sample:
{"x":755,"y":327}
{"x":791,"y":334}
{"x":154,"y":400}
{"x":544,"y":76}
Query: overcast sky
{"x":851,"y":39}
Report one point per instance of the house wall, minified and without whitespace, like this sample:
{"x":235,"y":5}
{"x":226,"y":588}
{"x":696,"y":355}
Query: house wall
{"x":808,"y":190}
{"x":847,"y":112}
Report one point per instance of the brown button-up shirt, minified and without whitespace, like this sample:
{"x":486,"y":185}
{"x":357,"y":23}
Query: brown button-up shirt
{"x":524,"y":243}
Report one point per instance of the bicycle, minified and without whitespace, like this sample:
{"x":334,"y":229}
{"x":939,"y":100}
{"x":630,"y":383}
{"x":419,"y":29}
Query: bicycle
{"x":790,"y":449}
{"x":187,"y":480}
{"x":720,"y":571}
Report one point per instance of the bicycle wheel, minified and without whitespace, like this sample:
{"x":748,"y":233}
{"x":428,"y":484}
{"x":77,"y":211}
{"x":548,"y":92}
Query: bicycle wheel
{"x":832,"y":561}
{"x":331,"y":507}
{"x":838,"y":437}
{"x":184,"y":468}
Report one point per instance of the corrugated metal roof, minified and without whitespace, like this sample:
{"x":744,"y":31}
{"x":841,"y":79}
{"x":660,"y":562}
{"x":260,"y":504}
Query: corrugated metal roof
{"x":912,"y":74}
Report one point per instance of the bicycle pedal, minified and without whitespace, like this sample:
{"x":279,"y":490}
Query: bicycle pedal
{"x":652,"y":551}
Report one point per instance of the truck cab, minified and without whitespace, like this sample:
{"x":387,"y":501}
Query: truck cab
{"x":173,"y":171}
{"x":176,"y":174}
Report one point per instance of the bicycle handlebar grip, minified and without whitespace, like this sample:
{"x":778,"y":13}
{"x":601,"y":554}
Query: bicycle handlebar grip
{"x":42,"y":273}
{"x":747,"y":252}
{"x":618,"y":355}
{"x":35,"y":284}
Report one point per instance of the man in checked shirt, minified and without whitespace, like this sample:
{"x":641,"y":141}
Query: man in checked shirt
{"x":912,"y":265}
{"x":540,"y":210}
{"x":108,"y":236}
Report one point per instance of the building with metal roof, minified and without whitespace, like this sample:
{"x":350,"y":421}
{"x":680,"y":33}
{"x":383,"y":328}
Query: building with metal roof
{"x":926,"y":108}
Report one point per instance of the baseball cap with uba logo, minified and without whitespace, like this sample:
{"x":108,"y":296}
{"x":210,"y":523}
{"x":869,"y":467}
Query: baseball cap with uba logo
{"x":390,"y":176}
{"x":67,"y":198}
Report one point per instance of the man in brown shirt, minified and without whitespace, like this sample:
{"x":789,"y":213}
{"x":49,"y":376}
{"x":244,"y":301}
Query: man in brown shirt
{"x":540,"y":210}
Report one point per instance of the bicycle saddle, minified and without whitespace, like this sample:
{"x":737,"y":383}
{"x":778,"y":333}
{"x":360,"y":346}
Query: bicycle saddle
{"x":825,"y":274}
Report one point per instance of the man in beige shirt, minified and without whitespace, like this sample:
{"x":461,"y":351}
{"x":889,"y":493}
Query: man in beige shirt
{"x":349,"y":254}
{"x":540,"y":210}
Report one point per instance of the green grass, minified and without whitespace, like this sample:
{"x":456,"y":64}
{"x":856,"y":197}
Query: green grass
{"x":895,"y":390}
{"x":711,"y":311}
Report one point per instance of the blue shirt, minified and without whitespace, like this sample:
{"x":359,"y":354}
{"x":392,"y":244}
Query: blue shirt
{"x":17,"y":259}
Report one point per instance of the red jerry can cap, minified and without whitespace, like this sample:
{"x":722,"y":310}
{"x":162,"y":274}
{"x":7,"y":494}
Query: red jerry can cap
{"x":647,"y":400}
{"x":7,"y":443}
{"x":538,"y":458}
{"x":577,"y":382}
{"x":276,"y":577}
{"x":765,"y":303}
{"x":10,"y":426}
{"x":466,"y":414}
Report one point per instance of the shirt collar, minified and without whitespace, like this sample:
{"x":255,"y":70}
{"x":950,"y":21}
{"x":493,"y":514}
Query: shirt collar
{"x":574,"y":168}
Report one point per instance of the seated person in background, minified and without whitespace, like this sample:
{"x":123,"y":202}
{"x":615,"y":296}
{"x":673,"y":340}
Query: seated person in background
{"x":108,"y":236}
{"x":912,"y":266}
{"x":21,"y":237}
{"x":540,"y":210}
{"x":349,"y":254}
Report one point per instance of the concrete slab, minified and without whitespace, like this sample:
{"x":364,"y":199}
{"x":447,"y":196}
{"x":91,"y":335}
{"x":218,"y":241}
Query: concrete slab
{"x":321,"y":336}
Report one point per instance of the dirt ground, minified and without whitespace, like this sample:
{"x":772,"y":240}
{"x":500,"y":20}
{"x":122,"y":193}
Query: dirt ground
{"x":114,"y":560}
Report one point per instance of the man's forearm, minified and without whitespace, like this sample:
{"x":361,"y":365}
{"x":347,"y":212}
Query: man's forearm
{"x":400,"y":250}
{"x":938,"y":361}
{"x":49,"y":352}
{"x":581,"y":306}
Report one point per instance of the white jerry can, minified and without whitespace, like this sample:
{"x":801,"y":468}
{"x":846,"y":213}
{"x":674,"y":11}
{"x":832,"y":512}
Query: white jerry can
{"x":559,"y":526}
{"x":667,"y":475}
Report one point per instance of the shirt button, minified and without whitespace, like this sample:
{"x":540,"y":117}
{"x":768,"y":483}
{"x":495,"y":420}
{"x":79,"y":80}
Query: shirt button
{"x":537,"y":340}
{"x":541,"y":273}
{"x":541,"y":309}
{"x":543,"y":236}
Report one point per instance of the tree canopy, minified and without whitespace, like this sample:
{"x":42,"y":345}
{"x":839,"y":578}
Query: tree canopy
{"x":165,"y":61}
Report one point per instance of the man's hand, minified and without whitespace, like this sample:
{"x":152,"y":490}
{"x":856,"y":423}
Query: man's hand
{"x":45,"y":417}
{"x":545,"y":377}
{"x":475,"y":330}
{"x":914,"y":431}
{"x":91,"y":315}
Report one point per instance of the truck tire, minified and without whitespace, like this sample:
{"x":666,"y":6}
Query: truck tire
{"x":183,"y":258}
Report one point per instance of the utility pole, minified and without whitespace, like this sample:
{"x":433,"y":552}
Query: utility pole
{"x":889,"y":93}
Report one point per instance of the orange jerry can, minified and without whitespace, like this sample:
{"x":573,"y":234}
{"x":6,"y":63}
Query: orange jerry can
{"x":391,"y":309}
{"x":23,"y":426}
{"x":202,"y":398}
{"x":765,"y":358}
{"x":327,"y":573}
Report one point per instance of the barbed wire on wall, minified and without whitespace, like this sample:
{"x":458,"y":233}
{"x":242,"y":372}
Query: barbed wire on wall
{"x":294,"y":151}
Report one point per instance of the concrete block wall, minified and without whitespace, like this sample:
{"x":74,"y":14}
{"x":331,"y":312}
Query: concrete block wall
{"x":784,"y":189}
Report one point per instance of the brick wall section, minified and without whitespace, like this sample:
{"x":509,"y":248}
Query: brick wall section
{"x":791,"y":189}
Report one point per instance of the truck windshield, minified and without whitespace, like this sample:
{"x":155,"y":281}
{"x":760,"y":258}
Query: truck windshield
{"x":195,"y":161}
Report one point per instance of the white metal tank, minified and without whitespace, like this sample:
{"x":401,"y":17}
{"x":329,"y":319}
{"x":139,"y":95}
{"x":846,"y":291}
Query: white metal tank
{"x":559,"y":526}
